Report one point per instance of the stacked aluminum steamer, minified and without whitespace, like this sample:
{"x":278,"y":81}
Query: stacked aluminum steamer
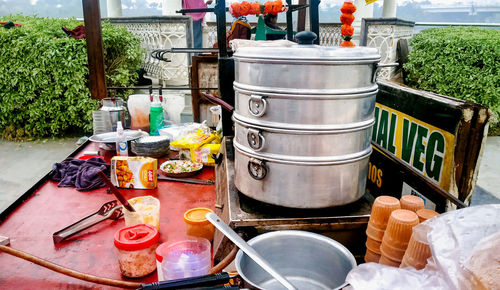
{"x":303,"y":123}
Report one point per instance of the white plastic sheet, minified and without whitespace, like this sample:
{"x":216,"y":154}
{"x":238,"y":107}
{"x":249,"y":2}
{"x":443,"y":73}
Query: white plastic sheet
{"x":459,"y":241}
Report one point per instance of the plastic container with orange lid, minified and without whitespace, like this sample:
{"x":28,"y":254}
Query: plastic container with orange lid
{"x":136,"y":247}
{"x":197,"y":224}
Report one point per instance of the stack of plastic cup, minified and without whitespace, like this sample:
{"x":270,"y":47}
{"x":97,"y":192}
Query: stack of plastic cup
{"x":382,"y":208}
{"x":396,"y":236}
{"x":188,"y":258}
{"x":416,"y":254}
{"x":425,"y":214}
{"x":412,"y":202}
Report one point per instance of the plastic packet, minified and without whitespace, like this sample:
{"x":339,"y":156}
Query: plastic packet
{"x":193,"y":140}
{"x":204,"y":154}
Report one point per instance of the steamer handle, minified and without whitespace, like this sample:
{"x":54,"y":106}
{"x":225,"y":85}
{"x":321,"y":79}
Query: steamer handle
{"x":254,"y":105}
{"x":255,"y":139}
{"x":378,"y":66}
{"x":213,"y":99}
{"x":257,"y":169}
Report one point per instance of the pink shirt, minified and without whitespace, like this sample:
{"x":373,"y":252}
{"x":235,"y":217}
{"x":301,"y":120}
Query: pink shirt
{"x":194,"y":4}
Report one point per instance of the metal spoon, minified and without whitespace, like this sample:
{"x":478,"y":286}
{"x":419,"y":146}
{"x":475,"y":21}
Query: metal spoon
{"x":247,"y":249}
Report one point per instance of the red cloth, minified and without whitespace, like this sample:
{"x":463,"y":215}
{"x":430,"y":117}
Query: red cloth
{"x":194,"y":4}
{"x":78,"y":32}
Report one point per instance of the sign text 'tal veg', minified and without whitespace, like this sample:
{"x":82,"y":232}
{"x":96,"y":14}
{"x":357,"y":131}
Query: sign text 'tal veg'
{"x":424,"y":147}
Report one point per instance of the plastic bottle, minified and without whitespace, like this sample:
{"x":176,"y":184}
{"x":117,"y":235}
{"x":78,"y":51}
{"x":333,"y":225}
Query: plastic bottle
{"x":121,"y":141}
{"x":155,"y":118}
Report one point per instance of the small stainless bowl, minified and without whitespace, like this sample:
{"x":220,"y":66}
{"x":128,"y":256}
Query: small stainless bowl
{"x":308,"y":260}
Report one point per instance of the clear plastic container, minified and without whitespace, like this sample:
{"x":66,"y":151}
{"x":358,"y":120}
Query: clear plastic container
{"x":197,"y":224}
{"x":147,"y":211}
{"x":136,"y":247}
{"x":188,"y":258}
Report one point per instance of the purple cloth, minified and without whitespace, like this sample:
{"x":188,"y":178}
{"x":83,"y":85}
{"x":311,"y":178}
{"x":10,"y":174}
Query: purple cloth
{"x":81,"y":174}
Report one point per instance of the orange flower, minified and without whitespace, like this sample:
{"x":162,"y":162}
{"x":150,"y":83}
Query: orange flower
{"x":347,"y":44}
{"x":235,"y":7}
{"x":245,"y":8}
{"x":255,"y":8}
{"x":348,"y":8}
{"x":346,"y":30}
{"x":278,"y":6}
{"x":346,"y":18}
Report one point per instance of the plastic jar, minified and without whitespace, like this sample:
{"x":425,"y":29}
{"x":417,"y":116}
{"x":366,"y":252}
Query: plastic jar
{"x":136,"y":247}
{"x":197,"y":224}
{"x":188,"y":258}
{"x":147,"y":211}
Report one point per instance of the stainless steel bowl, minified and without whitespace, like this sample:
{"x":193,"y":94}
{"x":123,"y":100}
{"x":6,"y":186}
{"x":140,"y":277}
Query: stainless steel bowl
{"x":308,"y":260}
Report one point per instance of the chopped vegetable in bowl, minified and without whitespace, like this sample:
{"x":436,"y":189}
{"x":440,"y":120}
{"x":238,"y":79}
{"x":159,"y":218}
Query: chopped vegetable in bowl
{"x":180,"y":166}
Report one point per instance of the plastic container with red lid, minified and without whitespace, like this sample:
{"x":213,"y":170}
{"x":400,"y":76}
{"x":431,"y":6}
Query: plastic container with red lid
{"x":136,"y":247}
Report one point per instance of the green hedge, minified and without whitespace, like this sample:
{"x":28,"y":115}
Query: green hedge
{"x":44,"y":84}
{"x":458,"y":62}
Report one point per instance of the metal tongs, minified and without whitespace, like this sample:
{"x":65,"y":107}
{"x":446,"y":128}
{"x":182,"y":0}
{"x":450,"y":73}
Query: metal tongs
{"x":109,"y":210}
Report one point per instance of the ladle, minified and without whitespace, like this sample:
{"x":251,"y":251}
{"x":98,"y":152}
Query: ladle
{"x":240,"y":243}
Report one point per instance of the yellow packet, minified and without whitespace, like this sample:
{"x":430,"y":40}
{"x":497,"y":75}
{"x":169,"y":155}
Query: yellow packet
{"x":204,"y":154}
{"x":193,"y":140}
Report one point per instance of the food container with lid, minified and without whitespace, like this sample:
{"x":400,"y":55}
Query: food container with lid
{"x":147,"y":211}
{"x":197,"y":224}
{"x":136,"y":247}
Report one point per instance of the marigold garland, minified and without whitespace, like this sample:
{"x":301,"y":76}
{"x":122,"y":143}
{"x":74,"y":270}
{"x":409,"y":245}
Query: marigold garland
{"x":347,"y":17}
{"x":246,"y":8}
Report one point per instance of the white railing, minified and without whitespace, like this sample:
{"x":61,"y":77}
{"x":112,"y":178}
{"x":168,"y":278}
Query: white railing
{"x":383,"y":34}
{"x":162,"y":32}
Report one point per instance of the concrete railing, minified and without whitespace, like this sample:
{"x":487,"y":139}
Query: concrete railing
{"x":162,"y":32}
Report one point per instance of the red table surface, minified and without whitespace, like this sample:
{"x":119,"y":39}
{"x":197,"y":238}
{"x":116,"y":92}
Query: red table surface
{"x":51,"y":208}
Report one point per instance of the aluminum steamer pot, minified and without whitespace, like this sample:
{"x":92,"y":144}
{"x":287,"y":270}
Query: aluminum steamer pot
{"x":302,"y":69}
{"x":308,"y":260}
{"x":303,"y":112}
{"x":338,"y":140}
{"x":303,"y":182}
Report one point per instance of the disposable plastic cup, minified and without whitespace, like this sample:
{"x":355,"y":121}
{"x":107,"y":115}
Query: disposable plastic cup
{"x":416,"y":254}
{"x":160,"y":252}
{"x":373,"y":245}
{"x":374,"y":233}
{"x":381,"y":210}
{"x":399,"y":228}
{"x":412,"y":202}
{"x":388,"y":262}
{"x":197,"y":225}
{"x":147,"y":211}
{"x":371,"y":256}
{"x":188,"y":258}
{"x":425,"y":214}
{"x":394,"y":253}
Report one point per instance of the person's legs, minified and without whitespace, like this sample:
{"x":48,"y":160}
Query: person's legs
{"x":197,"y":34}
